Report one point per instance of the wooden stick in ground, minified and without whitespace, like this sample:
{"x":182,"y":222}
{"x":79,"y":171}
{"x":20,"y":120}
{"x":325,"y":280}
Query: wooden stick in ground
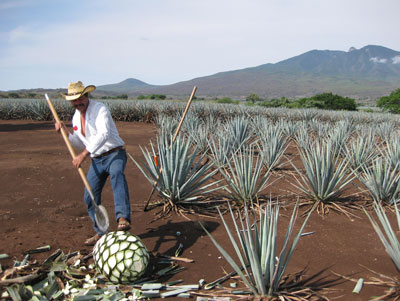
{"x":173,"y":140}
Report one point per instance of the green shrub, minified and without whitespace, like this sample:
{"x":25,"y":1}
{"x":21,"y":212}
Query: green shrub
{"x":275,"y":103}
{"x":253,"y":98}
{"x":390,"y":103}
{"x":13,"y":95}
{"x":158,"y":96}
{"x":227,"y":100}
{"x":122,"y":96}
{"x":328,"y":101}
{"x":152,"y":96}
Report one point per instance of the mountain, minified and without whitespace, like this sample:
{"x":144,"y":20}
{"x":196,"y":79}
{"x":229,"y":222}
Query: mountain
{"x":370,"y":61}
{"x":369,"y":72}
{"x":127,"y":86}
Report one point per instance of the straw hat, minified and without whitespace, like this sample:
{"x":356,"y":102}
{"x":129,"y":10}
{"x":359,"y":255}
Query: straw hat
{"x":76,"y":90}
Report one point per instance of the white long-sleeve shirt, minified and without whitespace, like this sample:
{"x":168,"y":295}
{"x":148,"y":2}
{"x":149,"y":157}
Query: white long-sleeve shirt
{"x":101,"y":134}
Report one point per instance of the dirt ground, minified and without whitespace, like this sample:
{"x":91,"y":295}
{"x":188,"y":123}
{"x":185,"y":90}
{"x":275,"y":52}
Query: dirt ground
{"x":41,"y":204}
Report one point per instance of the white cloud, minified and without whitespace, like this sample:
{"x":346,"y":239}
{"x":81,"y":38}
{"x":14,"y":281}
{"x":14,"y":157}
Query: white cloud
{"x":378,"y":60}
{"x":396,"y":59}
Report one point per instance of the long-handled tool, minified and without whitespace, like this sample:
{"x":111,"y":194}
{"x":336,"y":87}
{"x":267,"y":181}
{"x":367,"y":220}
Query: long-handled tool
{"x":173,"y":140}
{"x":100,"y":212}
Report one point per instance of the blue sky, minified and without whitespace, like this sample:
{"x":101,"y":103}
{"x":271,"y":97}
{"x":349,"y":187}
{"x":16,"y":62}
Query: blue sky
{"x":49,"y":43}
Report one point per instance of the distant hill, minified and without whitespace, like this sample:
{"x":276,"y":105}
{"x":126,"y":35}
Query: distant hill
{"x":367,"y":73}
{"x":127,"y":86}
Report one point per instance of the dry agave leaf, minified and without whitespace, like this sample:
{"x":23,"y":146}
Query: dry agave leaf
{"x":72,"y":260}
{"x":38,"y":250}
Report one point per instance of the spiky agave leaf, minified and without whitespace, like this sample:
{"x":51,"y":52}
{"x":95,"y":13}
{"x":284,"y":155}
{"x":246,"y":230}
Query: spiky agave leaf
{"x":381,"y":180}
{"x":325,"y":175}
{"x":392,"y":151}
{"x":239,"y":131}
{"x":180,"y":177}
{"x":385,"y":129}
{"x":301,"y":135}
{"x":305,"y":114}
{"x":220,"y":149}
{"x":360,"y":151}
{"x":256,"y":248}
{"x":273,"y":146}
{"x":40,"y":110}
{"x":319,"y":128}
{"x":386,"y":233}
{"x":166,"y":124}
{"x":245,"y":177}
{"x":200,"y":137}
{"x":191,"y":123}
{"x":289,"y":128}
{"x":339,"y":135}
{"x":273,"y":142}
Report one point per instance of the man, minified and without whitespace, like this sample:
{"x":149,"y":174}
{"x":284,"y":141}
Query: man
{"x":95,"y":132}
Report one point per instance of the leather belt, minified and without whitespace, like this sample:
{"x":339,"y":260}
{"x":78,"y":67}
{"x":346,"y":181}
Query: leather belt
{"x":110,"y":151}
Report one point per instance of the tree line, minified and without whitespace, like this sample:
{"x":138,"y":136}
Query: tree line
{"x":326,"y":101}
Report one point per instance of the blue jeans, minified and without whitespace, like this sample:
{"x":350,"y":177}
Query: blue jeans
{"x":112,"y":165}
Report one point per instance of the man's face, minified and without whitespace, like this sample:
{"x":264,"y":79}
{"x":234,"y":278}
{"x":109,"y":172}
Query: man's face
{"x":81,"y":103}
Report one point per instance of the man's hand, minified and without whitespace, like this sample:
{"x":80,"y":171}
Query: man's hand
{"x":78,"y":160}
{"x":59,"y":125}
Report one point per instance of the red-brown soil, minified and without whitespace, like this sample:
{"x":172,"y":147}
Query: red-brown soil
{"x":41,"y":204}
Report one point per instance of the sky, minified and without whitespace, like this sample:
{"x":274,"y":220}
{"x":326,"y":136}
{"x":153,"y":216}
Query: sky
{"x":50,"y":43}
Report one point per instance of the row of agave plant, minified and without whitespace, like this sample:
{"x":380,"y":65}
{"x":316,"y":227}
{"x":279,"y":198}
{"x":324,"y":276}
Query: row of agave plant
{"x":246,"y":151}
{"x":238,"y":156}
{"x":142,"y":110}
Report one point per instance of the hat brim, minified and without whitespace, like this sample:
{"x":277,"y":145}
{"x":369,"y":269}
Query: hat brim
{"x":87,"y":89}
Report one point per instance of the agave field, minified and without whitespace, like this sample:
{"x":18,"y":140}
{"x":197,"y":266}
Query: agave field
{"x":289,"y":204}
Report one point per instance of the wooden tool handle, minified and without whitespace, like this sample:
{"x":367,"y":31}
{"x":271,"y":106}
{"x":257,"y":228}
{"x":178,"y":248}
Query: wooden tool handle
{"x":69,"y":145}
{"x":63,"y":133}
{"x":180,"y":123}
{"x":184,"y":114}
